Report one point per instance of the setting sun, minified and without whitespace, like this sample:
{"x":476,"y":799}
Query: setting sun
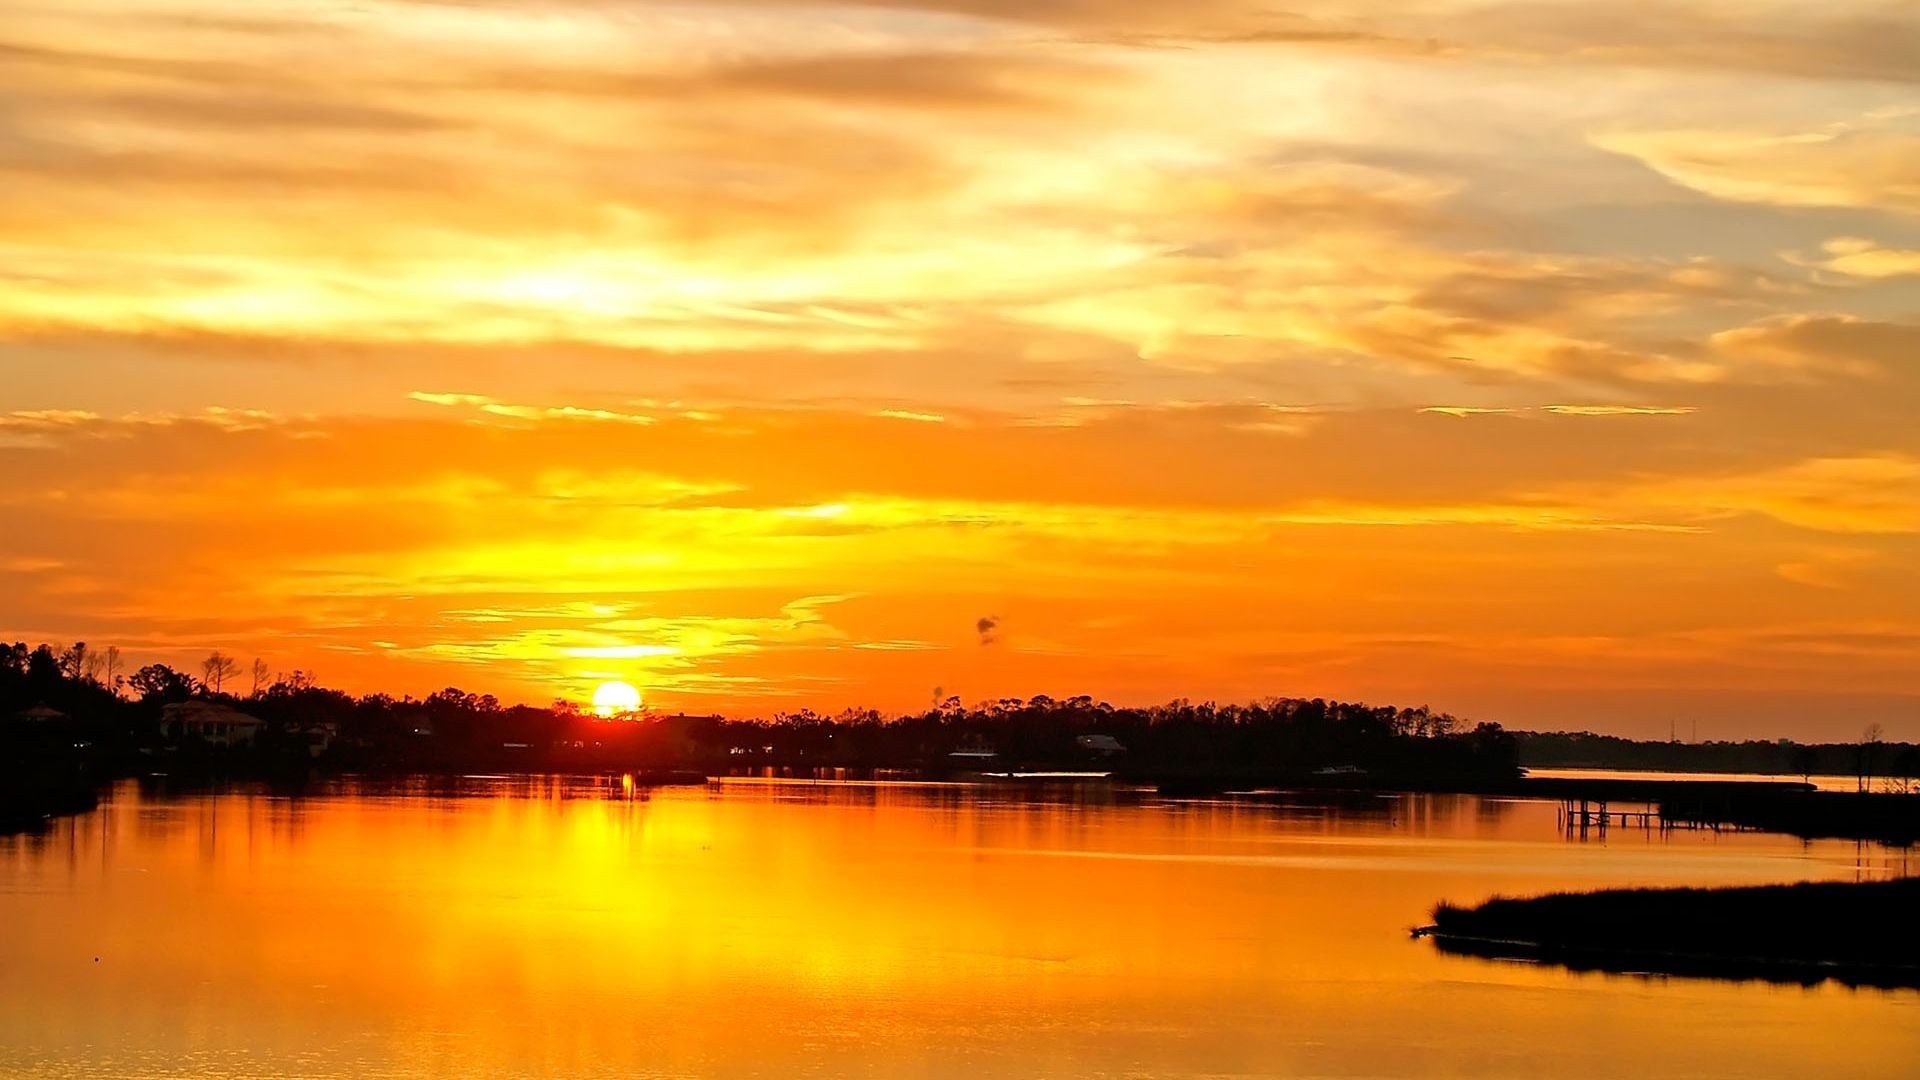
{"x":614,"y":698}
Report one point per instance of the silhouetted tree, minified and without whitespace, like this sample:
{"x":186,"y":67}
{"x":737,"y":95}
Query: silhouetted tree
{"x":298,"y":681}
{"x":43,"y":668}
{"x":1870,"y":741}
{"x":1905,"y":770}
{"x":259,"y":672}
{"x":73,"y":660}
{"x":1805,"y":760}
{"x":158,"y":682}
{"x":216,"y":669}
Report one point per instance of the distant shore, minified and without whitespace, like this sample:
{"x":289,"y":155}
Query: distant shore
{"x":66,"y":728}
{"x":29,"y":805}
{"x":1860,"y":934}
{"x":1600,"y":802}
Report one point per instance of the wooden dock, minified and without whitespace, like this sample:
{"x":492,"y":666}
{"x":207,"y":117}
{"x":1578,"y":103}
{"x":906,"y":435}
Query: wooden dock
{"x":1578,"y":817}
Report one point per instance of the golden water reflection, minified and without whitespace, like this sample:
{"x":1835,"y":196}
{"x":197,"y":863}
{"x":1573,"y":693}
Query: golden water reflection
{"x":587,"y":928}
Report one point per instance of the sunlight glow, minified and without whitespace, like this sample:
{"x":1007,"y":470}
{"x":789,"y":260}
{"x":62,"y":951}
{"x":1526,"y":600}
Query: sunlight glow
{"x":615,"y":698}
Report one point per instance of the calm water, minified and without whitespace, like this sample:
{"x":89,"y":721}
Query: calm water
{"x":577,"y":928}
{"x":1821,"y":781}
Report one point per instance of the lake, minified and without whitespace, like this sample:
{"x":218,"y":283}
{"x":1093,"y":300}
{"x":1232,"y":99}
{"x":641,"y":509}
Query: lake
{"x":1820,"y":781}
{"x":585,"y":927}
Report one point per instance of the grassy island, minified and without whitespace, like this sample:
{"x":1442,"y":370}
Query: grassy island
{"x":1858,"y":933}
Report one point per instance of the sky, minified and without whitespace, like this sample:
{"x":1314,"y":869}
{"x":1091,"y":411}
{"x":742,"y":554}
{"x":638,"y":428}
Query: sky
{"x":1550,"y":363}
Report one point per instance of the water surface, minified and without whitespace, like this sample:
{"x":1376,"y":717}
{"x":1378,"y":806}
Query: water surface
{"x":1820,"y":781}
{"x":580,"y":927}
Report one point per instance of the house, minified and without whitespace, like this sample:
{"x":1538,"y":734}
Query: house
{"x":317,"y":737}
{"x":39,"y":716}
{"x":973,"y":750}
{"x":1099,"y":745}
{"x":209,"y":721}
{"x":42,"y":729}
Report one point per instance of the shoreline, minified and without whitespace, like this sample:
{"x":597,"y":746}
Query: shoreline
{"x":1855,"y":933}
{"x":1653,"y":963}
{"x":32,"y":810}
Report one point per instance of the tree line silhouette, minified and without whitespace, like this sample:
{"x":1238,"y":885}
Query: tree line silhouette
{"x":115,"y":713}
{"x":117,"y":716}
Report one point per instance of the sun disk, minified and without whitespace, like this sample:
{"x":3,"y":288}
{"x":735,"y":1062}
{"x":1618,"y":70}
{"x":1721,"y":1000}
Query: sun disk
{"x":615,"y":698}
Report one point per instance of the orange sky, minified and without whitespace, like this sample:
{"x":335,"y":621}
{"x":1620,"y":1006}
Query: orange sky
{"x":1548,"y":363}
